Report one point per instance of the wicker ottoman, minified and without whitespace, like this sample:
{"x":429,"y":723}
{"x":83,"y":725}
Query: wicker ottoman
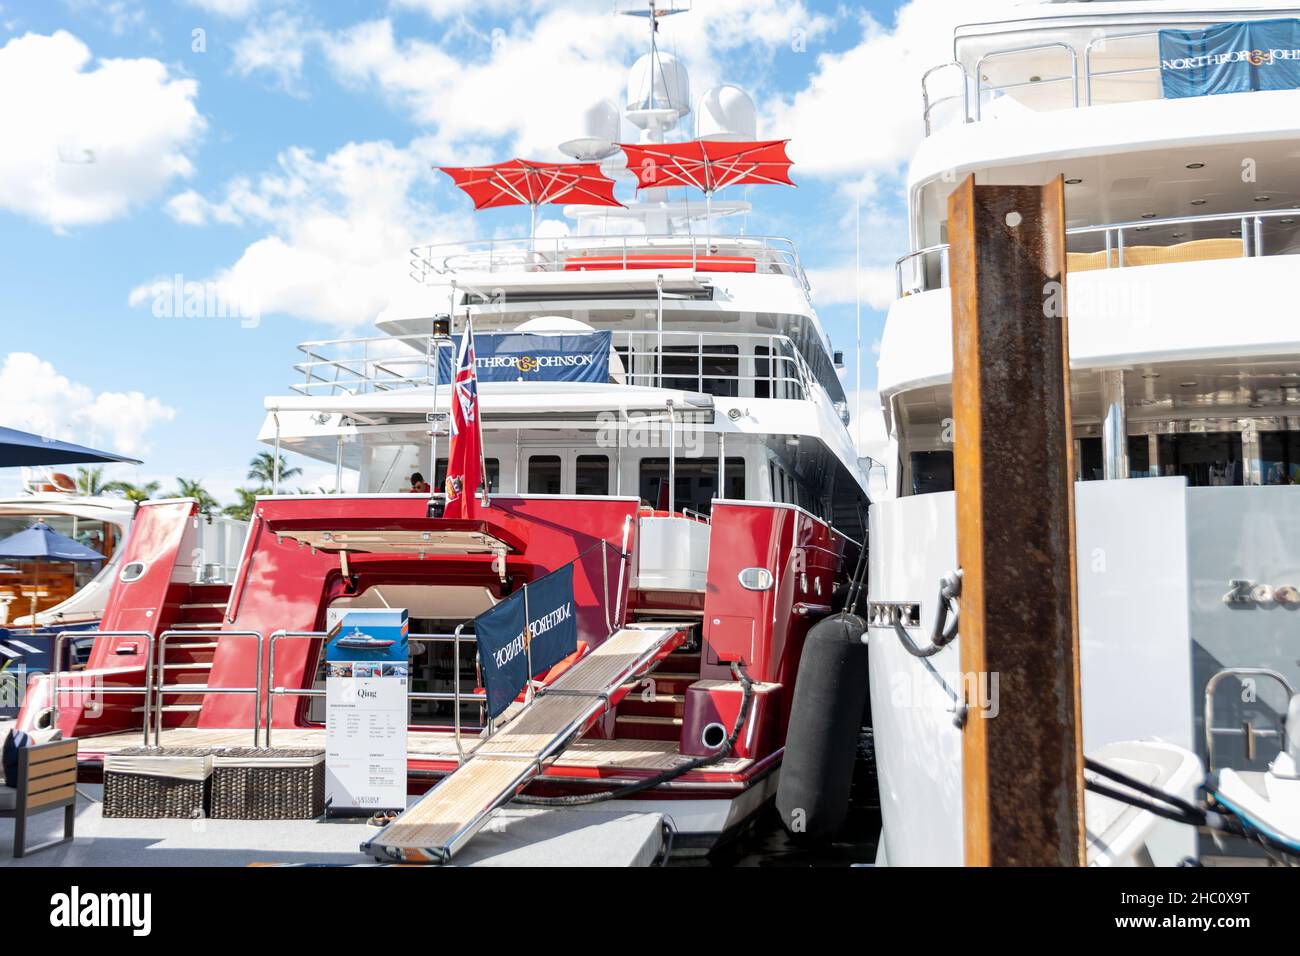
{"x":255,"y":784}
{"x":153,"y":783}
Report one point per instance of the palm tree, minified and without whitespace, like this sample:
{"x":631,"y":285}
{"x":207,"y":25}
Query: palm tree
{"x":133,"y":492}
{"x":243,"y":509}
{"x":90,"y":481}
{"x":262,"y":469}
{"x":193,"y":488}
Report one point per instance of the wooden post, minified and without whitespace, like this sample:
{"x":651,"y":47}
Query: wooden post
{"x":1014,"y":476}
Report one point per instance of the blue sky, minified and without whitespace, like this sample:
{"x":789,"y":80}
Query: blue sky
{"x":283,"y":148}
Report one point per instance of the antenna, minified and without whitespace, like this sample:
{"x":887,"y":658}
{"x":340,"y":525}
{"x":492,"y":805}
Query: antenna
{"x":668,"y":97}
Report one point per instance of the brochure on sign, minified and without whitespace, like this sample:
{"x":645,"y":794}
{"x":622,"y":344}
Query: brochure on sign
{"x":367,"y":685}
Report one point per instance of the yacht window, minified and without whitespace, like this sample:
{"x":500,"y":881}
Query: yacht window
{"x":1204,"y":459}
{"x":1139,"y":457}
{"x":625,"y":359}
{"x":711,"y":368}
{"x":591,"y":475}
{"x":544,"y":475}
{"x":762,"y":369}
{"x":493,"y":475}
{"x":695,"y":483}
{"x":771,"y":481}
{"x":1090,"y":466}
{"x":931,"y":472}
{"x":1279,"y":454}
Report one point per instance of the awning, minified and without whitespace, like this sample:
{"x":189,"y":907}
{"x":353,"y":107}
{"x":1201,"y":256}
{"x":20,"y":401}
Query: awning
{"x":24,"y":450}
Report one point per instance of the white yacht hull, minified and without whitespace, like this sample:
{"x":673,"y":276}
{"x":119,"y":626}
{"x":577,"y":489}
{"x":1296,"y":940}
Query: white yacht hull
{"x":1155,"y":562}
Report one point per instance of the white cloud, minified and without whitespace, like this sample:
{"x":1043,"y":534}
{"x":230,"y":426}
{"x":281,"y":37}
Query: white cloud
{"x":529,"y":83}
{"x":275,"y":47}
{"x":233,"y":9}
{"x":86,"y":145}
{"x":838,"y":285}
{"x":524,"y":89}
{"x":861,"y":109}
{"x":35,"y":397}
{"x":338,"y":231}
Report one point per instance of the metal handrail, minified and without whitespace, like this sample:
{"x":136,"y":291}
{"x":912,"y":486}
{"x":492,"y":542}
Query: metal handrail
{"x":161,"y":686}
{"x":1072,"y":76}
{"x":352,"y":374}
{"x":930,"y":104}
{"x":145,"y":689}
{"x":456,"y":696}
{"x":1087,"y":61}
{"x":432,"y":261}
{"x":1088,"y":74}
{"x":1251,"y":225}
{"x":1213,"y":682}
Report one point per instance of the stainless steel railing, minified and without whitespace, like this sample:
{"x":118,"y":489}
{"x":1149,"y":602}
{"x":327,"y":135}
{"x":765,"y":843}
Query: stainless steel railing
{"x":650,"y":358}
{"x":161,"y":687}
{"x":927,"y":269}
{"x":144,"y":689}
{"x":434,"y":262}
{"x":457,"y":697}
{"x":1248,"y":732}
{"x":1087,"y":81}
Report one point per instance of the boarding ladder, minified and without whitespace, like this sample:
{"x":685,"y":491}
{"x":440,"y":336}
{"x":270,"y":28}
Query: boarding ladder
{"x":437,"y":826}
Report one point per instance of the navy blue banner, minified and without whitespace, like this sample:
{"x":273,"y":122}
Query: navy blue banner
{"x":1231,"y":58}
{"x":532,"y":357}
{"x":502,"y":647}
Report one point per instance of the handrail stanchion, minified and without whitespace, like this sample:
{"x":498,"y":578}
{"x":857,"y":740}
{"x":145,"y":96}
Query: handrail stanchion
{"x":145,"y":688}
{"x":455,"y":670}
{"x":604,"y":582}
{"x":622,"y":567}
{"x":161,"y":687}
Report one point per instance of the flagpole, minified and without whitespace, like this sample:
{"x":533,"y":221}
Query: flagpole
{"x":857,"y":299}
{"x":482,"y":453}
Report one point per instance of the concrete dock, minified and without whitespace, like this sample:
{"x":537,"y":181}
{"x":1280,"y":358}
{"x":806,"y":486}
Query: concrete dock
{"x":514,"y":836}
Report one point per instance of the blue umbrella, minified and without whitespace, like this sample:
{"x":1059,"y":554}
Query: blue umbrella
{"x":40,"y":543}
{"x":23,"y":449}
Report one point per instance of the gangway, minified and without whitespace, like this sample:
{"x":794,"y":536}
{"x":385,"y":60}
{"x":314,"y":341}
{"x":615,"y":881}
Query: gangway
{"x":443,"y":820}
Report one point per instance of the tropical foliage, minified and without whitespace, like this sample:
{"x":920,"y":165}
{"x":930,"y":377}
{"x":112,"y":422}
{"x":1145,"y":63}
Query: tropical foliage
{"x":133,"y":492}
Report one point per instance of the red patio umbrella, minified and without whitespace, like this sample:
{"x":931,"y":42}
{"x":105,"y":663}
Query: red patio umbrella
{"x":519,"y":182}
{"x":708,"y":164}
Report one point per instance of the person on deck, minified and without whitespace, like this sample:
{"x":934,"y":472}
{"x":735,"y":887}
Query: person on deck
{"x":418,"y":485}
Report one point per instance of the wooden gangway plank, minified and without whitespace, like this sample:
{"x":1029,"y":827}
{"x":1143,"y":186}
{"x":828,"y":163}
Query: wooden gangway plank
{"x":441,"y":822}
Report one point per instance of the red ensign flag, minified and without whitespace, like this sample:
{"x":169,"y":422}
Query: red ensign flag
{"x":465,"y":460}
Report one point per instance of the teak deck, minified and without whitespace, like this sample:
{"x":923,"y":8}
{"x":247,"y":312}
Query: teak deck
{"x":433,"y":829}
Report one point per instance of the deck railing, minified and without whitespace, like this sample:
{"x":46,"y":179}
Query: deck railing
{"x":436,"y":262}
{"x":649,"y":358}
{"x":1111,"y":70}
{"x":1116,"y":244}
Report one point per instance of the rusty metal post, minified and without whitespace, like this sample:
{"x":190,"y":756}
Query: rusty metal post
{"x":1021,"y":751}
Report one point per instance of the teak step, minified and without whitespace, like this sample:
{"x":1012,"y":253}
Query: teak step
{"x":441,"y":822}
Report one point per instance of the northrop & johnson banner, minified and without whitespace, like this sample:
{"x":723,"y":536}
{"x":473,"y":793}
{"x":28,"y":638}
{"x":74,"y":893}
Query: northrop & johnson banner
{"x":530,"y":357}
{"x":1231,"y":58}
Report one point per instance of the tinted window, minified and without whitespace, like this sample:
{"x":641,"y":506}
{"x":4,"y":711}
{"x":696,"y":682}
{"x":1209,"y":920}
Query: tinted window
{"x":695,"y":483}
{"x":591,"y":475}
{"x":544,"y":475}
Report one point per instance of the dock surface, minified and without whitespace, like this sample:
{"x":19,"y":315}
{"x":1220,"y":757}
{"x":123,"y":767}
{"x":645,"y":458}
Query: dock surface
{"x":514,"y":836}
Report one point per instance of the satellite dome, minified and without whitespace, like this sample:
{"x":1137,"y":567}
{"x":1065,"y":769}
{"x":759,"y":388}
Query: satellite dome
{"x":600,"y":133}
{"x":668,"y":79}
{"x":726,"y":112}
